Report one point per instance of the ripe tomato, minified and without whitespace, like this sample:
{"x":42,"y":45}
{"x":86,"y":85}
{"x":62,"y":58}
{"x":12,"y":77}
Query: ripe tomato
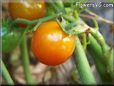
{"x":51,"y":45}
{"x":27,"y":9}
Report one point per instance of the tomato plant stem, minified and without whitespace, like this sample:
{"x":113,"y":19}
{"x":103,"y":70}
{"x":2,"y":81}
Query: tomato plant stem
{"x":95,"y":51}
{"x":107,"y":52}
{"x":95,"y":23}
{"x":103,"y":52}
{"x":100,"y":39}
{"x":83,"y":65}
{"x":25,"y":60}
{"x":5,"y":74}
{"x":95,"y":47}
{"x":44,"y":19}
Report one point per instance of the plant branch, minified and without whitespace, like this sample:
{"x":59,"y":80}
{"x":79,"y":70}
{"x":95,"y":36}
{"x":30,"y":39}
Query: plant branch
{"x":25,"y":61}
{"x":25,"y":21}
{"x":95,"y":51}
{"x":6,"y":74}
{"x":82,"y":64}
{"x":97,"y":17}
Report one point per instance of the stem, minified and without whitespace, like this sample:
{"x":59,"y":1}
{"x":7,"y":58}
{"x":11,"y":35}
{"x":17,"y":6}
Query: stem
{"x":84,"y":40}
{"x":25,"y":60}
{"x":6,"y":74}
{"x":75,"y":13}
{"x":110,"y":62}
{"x":96,"y":52}
{"x":96,"y":24}
{"x":104,"y":75}
{"x":70,"y":19}
{"x":97,"y":17}
{"x":83,"y":65}
{"x":100,"y":39}
{"x":107,"y":55}
{"x":104,"y":54}
{"x":96,"y":48}
{"x":98,"y":36}
{"x":29,"y":22}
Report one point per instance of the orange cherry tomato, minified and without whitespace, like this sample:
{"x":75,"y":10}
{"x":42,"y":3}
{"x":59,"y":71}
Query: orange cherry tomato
{"x":51,"y":45}
{"x":27,"y":9}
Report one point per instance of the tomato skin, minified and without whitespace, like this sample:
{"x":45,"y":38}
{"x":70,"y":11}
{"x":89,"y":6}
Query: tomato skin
{"x":51,"y":45}
{"x":27,"y":9}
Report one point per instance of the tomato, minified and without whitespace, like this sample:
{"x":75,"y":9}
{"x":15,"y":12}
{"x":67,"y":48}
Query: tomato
{"x":10,"y":39}
{"x":51,"y":45}
{"x":27,"y":9}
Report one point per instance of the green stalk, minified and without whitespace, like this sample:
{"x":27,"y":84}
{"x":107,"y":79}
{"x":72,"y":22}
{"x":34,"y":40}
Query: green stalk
{"x":84,"y":40}
{"x":107,"y":51}
{"x":95,"y":23}
{"x":105,"y":54}
{"x":5,"y":74}
{"x":96,"y":52}
{"x":29,"y":22}
{"x":83,"y":65}
{"x":105,"y":76}
{"x":25,"y":60}
{"x":94,"y":45}
{"x":100,"y":39}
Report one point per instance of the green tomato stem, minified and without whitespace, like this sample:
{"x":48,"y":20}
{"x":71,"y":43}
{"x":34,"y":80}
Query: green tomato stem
{"x":25,"y":61}
{"x":107,"y":55}
{"x":83,"y":65}
{"x":44,"y":19}
{"x":103,"y":51}
{"x":84,"y":40}
{"x":95,"y":23}
{"x":5,"y":74}
{"x":95,"y":51}
{"x":100,"y":39}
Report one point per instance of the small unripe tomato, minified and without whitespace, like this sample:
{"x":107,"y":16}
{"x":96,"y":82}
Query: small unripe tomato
{"x":10,"y":39}
{"x":51,"y":45}
{"x":27,"y":9}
